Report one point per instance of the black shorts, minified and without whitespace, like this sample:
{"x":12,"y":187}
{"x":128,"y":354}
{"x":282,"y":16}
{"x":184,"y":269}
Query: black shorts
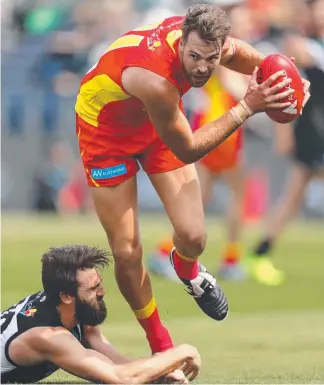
{"x":313,"y":159}
{"x":309,"y":141}
{"x":309,"y":127}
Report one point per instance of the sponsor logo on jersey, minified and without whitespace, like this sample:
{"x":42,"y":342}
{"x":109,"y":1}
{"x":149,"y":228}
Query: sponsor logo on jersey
{"x":152,"y":44}
{"x":29,"y":312}
{"x":109,"y":172}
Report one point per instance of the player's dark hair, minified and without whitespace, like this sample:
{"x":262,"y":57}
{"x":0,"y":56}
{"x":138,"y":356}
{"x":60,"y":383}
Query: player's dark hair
{"x":210,"y":21}
{"x":61,"y":264}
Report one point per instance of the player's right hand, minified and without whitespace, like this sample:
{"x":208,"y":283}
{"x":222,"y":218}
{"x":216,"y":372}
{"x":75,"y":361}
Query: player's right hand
{"x":176,"y":377}
{"x":265,"y":96}
{"x":193,"y":363}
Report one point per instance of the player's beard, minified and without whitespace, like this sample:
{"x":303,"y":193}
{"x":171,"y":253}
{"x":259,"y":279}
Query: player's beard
{"x":89,"y":314}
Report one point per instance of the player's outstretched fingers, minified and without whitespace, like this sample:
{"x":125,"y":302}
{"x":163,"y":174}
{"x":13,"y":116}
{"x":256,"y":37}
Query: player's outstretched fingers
{"x":278,"y":106}
{"x":278,"y":87}
{"x":281,"y":95}
{"x":271,"y":79}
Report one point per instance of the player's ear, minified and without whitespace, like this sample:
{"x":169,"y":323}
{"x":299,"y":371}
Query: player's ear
{"x":66,"y":298}
{"x":181,"y":44}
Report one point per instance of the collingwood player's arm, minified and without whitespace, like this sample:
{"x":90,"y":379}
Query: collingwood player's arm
{"x":59,"y":346}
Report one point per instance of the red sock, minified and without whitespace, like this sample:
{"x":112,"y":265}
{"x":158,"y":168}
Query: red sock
{"x":165,"y":247}
{"x":186,"y":268}
{"x":157,"y":334}
{"x":232,"y":253}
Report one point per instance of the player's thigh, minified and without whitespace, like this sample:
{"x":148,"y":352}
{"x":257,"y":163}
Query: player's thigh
{"x":179,"y":190}
{"x":111,"y":167}
{"x":235,"y":179}
{"x":117,"y":209}
{"x":299,"y":176}
{"x":178,"y":187}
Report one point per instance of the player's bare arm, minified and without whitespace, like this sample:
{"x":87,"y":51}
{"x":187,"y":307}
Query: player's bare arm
{"x":60,"y":347}
{"x":241,"y":57}
{"x":97,"y":341}
{"x":161,"y":100}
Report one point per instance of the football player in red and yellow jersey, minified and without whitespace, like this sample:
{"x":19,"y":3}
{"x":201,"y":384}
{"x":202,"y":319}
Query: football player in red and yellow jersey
{"x":226,"y":162}
{"x":129,"y":112}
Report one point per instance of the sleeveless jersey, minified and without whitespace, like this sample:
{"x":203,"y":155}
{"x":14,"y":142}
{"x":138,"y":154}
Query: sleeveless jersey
{"x":32,"y":311}
{"x":103,"y":102}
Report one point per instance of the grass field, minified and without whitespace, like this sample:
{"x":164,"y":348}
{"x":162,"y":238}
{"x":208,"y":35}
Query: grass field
{"x":273,"y":335}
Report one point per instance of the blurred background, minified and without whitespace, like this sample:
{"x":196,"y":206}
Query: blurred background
{"x":46,"y":47}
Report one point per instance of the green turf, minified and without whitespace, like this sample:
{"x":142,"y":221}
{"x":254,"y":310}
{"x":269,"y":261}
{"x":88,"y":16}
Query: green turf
{"x":273,"y":335}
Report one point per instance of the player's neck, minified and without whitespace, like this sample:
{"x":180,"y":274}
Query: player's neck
{"x":67,"y":317}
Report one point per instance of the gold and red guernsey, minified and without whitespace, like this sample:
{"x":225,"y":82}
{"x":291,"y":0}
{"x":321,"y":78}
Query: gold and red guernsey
{"x":103,"y":102}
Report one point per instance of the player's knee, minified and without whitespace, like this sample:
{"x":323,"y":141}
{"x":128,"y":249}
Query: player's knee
{"x":128,"y":254}
{"x":194,"y":239}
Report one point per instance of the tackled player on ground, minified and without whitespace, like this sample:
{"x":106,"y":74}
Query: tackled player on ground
{"x":59,"y":328}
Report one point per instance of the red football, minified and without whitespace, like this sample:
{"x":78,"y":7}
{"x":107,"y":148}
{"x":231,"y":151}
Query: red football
{"x":272,"y":64}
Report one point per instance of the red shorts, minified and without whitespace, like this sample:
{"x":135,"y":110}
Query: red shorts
{"x":226,"y":156}
{"x":110,"y":157}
